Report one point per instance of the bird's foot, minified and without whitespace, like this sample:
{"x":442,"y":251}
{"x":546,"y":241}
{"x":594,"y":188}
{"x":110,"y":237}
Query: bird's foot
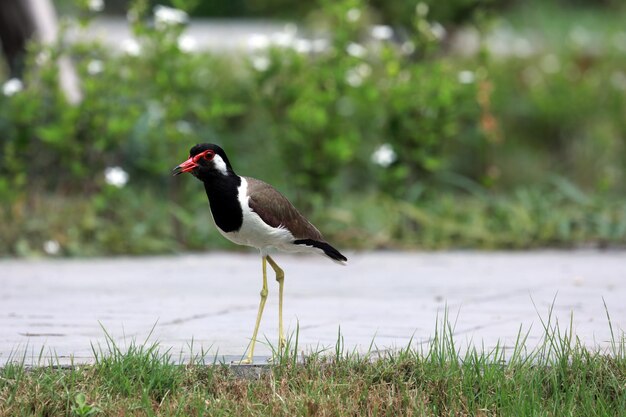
{"x":274,"y":360}
{"x":278,"y":354}
{"x":246,"y":361}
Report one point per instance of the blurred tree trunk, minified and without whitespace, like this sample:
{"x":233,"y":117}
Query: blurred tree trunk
{"x":20,"y":20}
{"x":16,"y":28}
{"x":47,"y":29}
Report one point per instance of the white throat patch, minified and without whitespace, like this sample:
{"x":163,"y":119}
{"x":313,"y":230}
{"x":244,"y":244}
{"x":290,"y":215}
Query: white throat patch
{"x":220,"y":165}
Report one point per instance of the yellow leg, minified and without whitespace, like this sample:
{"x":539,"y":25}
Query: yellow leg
{"x":258,"y":316}
{"x":280,"y":277}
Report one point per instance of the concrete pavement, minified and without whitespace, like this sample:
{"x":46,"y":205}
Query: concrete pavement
{"x":57,"y":307}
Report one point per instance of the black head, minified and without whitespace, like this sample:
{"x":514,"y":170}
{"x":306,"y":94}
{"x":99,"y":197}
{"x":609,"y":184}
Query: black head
{"x":205,"y":160}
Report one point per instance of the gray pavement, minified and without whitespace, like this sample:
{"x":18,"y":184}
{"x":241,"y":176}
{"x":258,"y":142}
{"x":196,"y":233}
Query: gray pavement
{"x":55,"y":308}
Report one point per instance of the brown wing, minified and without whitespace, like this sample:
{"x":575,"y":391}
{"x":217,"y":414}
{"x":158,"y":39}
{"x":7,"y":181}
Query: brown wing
{"x":276,"y":210}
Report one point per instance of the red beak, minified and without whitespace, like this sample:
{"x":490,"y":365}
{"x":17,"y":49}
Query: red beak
{"x":188,"y":165}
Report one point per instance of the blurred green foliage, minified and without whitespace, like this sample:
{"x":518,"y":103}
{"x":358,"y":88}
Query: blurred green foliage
{"x":562,"y":104}
{"x":395,"y":12}
{"x":328,"y":112}
{"x":379,"y":133}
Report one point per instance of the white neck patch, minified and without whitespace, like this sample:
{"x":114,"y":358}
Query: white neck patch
{"x":220,"y":165}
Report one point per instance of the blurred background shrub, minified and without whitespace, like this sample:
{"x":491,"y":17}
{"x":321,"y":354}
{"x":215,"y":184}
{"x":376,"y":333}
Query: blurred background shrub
{"x":391,"y":124}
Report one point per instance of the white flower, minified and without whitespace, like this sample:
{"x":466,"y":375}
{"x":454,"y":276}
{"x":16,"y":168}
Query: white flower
{"x":467,"y":42}
{"x":168,"y":16}
{"x":115,"y":176}
{"x":364,"y":70}
{"x":421,"y":9}
{"x":12,"y":86}
{"x":95,"y":66}
{"x":353,"y":15}
{"x":96,"y":5}
{"x":407,"y":48}
{"x":384,"y":155}
{"x":43,"y":57}
{"x":356,"y":50}
{"x":303,"y":46}
{"x":283,"y":39}
{"x":187,"y":43}
{"x":438,"y":31}
{"x":382,"y":32}
{"x":260,"y":63}
{"x":131,"y":47}
{"x":286,"y":38}
{"x":258,"y":41}
{"x":466,"y":77}
{"x":51,"y":247}
{"x":353,"y":78}
{"x":356,"y":75}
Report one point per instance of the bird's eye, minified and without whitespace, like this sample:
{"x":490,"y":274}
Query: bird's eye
{"x":209,"y":155}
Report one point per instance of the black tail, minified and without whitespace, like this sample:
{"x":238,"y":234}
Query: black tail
{"x":329,"y":251}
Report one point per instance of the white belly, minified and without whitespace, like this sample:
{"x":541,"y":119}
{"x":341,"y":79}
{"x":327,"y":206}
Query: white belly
{"x":255,"y":232}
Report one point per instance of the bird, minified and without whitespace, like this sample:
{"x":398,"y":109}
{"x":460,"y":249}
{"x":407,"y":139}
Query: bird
{"x":250,"y":212}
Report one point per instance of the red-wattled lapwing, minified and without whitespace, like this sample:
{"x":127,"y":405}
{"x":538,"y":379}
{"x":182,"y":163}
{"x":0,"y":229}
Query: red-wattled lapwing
{"x":251,"y":212}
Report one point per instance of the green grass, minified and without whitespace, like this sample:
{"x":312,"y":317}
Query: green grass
{"x":557,"y":214}
{"x":559,"y":377}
